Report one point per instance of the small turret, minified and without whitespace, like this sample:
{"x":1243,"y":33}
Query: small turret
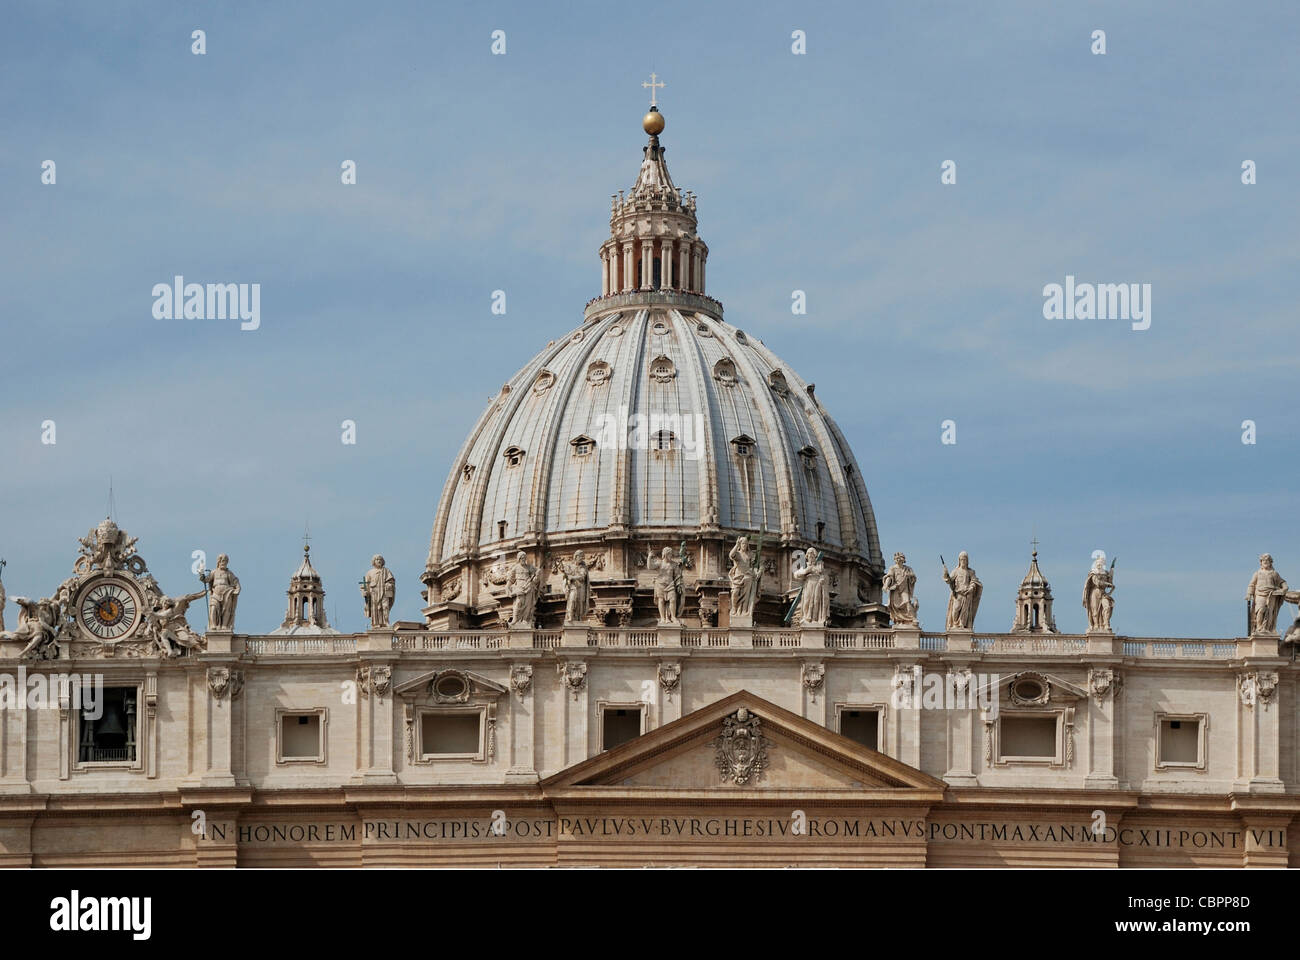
{"x":306,"y":613}
{"x":1034,"y":602}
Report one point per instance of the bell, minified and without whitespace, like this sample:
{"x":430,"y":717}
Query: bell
{"x":112,"y":725}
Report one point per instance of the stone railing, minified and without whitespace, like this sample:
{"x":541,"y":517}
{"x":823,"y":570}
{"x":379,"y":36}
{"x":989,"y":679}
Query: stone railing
{"x":299,"y":646}
{"x":1169,"y":648}
{"x":706,"y":638}
{"x":761,"y":638}
{"x":459,"y":640}
{"x":686,"y":299}
{"x":1018,"y":643}
{"x":860,"y":640}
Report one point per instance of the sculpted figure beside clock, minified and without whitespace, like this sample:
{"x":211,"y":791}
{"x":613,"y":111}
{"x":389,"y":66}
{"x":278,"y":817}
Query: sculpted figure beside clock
{"x":168,"y":627}
{"x":225,"y":594}
{"x":37,"y":626}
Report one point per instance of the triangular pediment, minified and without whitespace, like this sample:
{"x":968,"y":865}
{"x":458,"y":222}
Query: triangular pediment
{"x":711,"y":750}
{"x":449,"y":686}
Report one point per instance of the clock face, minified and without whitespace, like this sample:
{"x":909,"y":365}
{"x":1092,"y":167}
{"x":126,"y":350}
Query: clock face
{"x":109,"y":610}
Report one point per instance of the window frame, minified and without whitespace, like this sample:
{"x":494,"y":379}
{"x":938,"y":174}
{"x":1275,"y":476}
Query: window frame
{"x":1202,"y":741}
{"x":639,"y":705}
{"x":322,"y":754}
{"x":879,"y":708}
{"x":479,"y":710}
{"x":141,"y":727}
{"x":1055,"y":760}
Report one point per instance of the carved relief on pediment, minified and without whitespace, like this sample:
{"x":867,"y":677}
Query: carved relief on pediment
{"x":741,"y":748}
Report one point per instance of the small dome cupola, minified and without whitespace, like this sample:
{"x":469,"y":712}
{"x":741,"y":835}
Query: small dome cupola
{"x":1034,"y":601}
{"x":306,"y":612}
{"x":653,"y":243}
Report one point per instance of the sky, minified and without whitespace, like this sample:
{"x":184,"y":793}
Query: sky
{"x":818,"y":172}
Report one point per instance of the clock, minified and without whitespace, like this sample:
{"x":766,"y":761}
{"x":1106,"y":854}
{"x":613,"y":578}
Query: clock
{"x":109,"y":610}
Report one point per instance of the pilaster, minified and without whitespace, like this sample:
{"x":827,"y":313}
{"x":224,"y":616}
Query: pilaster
{"x":523,"y":722}
{"x":960,"y":684}
{"x":574,"y":689}
{"x":1105,"y":684}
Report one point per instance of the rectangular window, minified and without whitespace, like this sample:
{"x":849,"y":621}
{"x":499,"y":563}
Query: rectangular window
{"x":448,"y":735}
{"x":1029,"y":738}
{"x":114,"y":735}
{"x":1180,"y":740}
{"x":861,"y":726}
{"x":619,"y":725}
{"x":301,"y":736}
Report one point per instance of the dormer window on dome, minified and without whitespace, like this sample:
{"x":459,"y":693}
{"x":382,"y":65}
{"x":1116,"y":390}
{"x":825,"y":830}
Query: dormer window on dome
{"x":598,"y":373}
{"x":663,"y":440}
{"x":545,"y":380}
{"x":809,"y":457}
{"x":583,"y":445}
{"x":724,"y":371}
{"x":467,"y":471}
{"x":662,"y":369}
{"x":743,"y":445}
{"x":776,"y":380}
{"x":514,"y":456}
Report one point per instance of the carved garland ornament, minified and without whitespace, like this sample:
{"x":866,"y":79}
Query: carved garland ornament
{"x":906,"y":677}
{"x":223,"y":681}
{"x":555,"y":561}
{"x":573,"y":675}
{"x":1105,"y":683}
{"x":813,"y":675}
{"x":521,"y":678}
{"x":670,"y":675}
{"x":1069,"y":736}
{"x":376,"y":679}
{"x":1259,"y":686}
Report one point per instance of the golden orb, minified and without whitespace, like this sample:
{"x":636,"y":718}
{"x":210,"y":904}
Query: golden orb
{"x":653,"y":122}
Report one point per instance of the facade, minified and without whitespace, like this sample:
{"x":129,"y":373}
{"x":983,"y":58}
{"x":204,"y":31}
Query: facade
{"x":659,"y":629}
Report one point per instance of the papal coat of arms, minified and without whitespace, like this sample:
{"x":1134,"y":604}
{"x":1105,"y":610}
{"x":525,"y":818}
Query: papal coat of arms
{"x":742,"y":748}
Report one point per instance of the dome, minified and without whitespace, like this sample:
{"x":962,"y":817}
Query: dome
{"x":654,"y":423}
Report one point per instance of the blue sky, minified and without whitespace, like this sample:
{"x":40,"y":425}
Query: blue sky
{"x":817,"y":172}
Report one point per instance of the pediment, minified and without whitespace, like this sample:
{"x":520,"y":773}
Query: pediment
{"x":450,"y":686}
{"x":1034,"y":688}
{"x":713,"y":750}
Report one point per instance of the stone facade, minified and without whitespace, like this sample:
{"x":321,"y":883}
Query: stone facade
{"x":217,"y":743}
{"x":633,"y":656}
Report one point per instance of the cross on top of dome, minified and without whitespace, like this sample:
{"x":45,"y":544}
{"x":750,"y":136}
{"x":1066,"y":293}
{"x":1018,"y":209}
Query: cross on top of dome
{"x":653,"y":85}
